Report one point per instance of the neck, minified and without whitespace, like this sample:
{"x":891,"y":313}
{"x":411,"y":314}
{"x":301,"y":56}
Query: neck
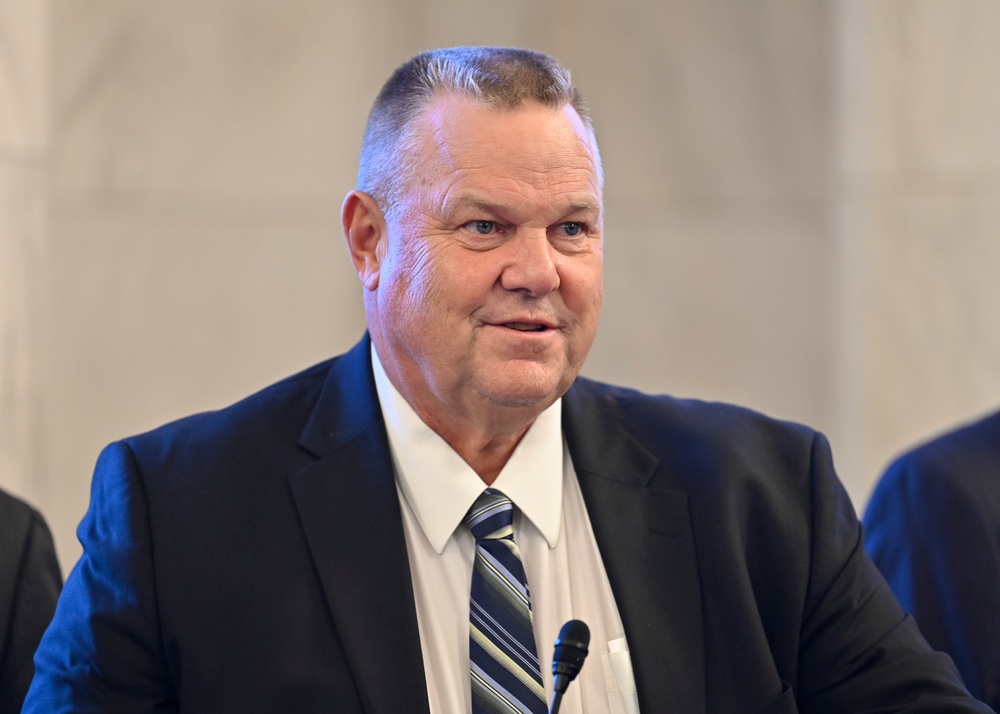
{"x":486,"y":449}
{"x":484,"y":434}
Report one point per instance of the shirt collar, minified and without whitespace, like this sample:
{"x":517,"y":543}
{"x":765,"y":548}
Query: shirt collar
{"x":440,"y":487}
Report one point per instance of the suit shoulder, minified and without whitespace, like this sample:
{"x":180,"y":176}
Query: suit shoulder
{"x":277,"y":410}
{"x":16,"y":516}
{"x":706,"y":445}
{"x":655,"y":415}
{"x":982,"y":436}
{"x":25,"y":546}
{"x":963,"y":462}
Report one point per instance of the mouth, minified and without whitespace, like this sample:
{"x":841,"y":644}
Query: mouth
{"x":526,"y":326}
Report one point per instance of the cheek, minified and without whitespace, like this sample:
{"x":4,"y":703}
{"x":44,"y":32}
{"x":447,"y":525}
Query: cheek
{"x":456,"y":280}
{"x":426,"y":289}
{"x":583,"y":288}
{"x":406,"y":267}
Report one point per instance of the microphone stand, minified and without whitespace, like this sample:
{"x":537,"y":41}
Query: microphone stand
{"x":557,"y":698}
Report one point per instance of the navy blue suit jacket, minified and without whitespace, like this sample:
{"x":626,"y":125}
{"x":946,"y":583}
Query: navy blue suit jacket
{"x":30,"y":580}
{"x":253,"y":559}
{"x":933,"y":527}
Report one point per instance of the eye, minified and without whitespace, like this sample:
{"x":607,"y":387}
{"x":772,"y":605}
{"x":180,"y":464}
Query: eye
{"x":482,"y":227}
{"x":572,"y":228}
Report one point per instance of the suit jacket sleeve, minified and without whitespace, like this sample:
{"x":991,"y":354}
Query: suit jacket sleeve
{"x":744,"y":585}
{"x":30,"y":580}
{"x":859,"y":651}
{"x":102,"y":652}
{"x":938,"y":545}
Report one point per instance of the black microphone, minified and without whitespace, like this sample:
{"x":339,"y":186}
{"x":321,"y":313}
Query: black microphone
{"x":571,"y":650}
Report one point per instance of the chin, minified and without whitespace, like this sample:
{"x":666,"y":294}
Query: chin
{"x":536,"y":396}
{"x":519,"y":401}
{"x":523,"y":384}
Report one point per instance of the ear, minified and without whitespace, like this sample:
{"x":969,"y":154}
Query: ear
{"x":364,"y":229}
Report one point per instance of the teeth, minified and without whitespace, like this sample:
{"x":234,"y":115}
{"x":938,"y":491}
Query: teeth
{"x":525,"y":326}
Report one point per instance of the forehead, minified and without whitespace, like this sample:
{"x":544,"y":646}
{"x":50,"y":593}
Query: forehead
{"x":533,"y":147}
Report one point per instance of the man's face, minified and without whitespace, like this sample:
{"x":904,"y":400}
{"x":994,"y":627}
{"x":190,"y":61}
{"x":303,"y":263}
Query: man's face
{"x":490,"y":275}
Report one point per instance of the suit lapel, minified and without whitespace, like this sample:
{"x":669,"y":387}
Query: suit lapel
{"x":349,"y":509}
{"x":642,"y":524}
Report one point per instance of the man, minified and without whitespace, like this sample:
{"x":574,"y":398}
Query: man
{"x":30,"y":580}
{"x":312,"y":548}
{"x":933,"y":527}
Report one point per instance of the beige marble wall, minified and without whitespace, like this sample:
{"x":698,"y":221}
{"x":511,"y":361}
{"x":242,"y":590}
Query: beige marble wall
{"x":24,"y":139}
{"x":714,"y":122}
{"x":800,"y":207}
{"x":919,"y":191}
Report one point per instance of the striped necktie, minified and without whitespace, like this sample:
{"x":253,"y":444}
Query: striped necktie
{"x":506,"y":677}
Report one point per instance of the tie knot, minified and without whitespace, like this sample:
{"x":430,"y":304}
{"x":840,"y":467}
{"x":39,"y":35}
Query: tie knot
{"x":491,"y":516}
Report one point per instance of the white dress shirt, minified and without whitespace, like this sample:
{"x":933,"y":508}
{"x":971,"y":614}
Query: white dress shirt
{"x":565,"y":573}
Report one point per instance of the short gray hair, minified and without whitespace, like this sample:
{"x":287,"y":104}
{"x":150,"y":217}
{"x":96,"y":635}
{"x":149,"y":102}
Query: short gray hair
{"x":502,"y":78}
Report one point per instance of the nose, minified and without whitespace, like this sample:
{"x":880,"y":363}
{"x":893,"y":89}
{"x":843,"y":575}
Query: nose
{"x":531,"y":265}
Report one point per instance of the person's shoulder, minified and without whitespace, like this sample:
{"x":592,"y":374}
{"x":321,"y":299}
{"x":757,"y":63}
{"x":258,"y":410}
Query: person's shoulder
{"x":9,"y":503}
{"x":275,"y":413}
{"x":715,"y":442}
{"x":740,"y":459}
{"x":21,"y":525}
{"x":978,"y":435}
{"x":689,"y":417}
{"x":15,"y":514}
{"x":963,"y":458}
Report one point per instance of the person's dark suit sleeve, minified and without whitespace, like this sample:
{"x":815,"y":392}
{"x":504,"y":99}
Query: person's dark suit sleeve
{"x":939,"y":549}
{"x":103,"y":650}
{"x":30,"y":580}
{"x":859,"y":651}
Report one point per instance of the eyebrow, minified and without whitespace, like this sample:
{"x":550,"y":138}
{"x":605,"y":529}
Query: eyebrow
{"x":463,"y":201}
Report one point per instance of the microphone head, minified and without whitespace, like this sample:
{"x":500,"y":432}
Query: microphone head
{"x":571,"y":650}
